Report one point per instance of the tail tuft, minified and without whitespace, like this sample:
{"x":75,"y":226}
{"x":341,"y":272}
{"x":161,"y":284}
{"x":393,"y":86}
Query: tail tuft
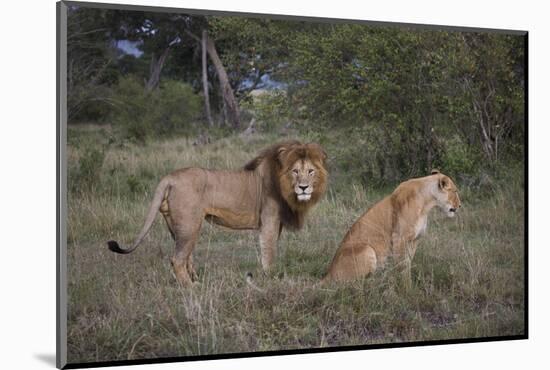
{"x":249,"y":276}
{"x":114,"y":247}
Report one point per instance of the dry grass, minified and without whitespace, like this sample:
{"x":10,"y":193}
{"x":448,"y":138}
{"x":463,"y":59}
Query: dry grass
{"x":467,"y":274}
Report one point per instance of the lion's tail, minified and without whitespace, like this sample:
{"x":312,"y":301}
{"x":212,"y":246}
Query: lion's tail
{"x":160,"y":193}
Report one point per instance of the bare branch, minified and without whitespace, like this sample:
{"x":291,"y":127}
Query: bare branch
{"x":192,"y":35}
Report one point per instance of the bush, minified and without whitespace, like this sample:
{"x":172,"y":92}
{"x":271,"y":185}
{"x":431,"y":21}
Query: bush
{"x":178,"y":106}
{"x":140,"y":114}
{"x":460,"y":159}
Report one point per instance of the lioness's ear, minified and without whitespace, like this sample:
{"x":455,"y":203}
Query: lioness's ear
{"x":435,"y":171}
{"x":443,"y":182}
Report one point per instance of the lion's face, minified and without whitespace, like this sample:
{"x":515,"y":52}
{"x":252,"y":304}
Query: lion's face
{"x":447,"y":196}
{"x":303,"y":175}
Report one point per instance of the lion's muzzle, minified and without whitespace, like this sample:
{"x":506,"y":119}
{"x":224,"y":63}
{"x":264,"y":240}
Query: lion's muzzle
{"x":451,"y":212}
{"x":303,"y":192}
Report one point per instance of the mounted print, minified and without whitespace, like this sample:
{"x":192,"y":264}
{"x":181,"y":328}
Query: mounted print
{"x":235,"y":185}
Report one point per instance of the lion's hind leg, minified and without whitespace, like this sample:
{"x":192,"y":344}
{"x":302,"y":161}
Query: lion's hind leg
{"x":165,"y":211}
{"x":182,"y":259}
{"x":186,"y":235}
{"x":364,"y":262}
{"x":189,"y":264}
{"x":352,"y":263}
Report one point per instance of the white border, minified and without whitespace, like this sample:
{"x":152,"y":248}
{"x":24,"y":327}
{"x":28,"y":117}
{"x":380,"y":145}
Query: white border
{"x":27,"y":152}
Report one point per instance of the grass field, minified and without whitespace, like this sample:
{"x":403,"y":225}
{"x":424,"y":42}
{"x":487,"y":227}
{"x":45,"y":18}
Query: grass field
{"x":468,"y":274}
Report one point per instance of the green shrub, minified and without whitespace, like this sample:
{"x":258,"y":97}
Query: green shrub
{"x":140,"y":114}
{"x":460,"y":159}
{"x":177,"y":107}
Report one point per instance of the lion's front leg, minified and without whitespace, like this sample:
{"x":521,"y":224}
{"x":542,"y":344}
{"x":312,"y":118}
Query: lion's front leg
{"x":191,"y":268}
{"x":269,"y":235}
{"x":404,"y":249}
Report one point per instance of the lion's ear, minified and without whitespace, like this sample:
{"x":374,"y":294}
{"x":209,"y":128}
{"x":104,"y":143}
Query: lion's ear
{"x":318,"y":149}
{"x":435,"y":172}
{"x":281,"y":151}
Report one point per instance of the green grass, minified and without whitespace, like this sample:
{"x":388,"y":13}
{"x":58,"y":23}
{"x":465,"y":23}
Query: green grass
{"x":467,"y":274}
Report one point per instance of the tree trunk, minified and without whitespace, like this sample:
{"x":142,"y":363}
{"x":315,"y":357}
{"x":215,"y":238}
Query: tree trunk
{"x":155,"y":69}
{"x":484,"y":127}
{"x":205,"y":78}
{"x":227,"y":92}
{"x":428,"y":138}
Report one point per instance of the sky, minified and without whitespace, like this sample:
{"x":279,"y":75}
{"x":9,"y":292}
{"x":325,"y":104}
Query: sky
{"x":129,"y":47}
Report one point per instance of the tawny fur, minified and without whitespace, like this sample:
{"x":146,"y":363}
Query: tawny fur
{"x":392,"y":227}
{"x":262,"y":196}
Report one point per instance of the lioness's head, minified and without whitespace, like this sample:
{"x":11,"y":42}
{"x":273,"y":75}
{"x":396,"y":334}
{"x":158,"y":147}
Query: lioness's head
{"x":302,"y":175}
{"x":446,"y":194}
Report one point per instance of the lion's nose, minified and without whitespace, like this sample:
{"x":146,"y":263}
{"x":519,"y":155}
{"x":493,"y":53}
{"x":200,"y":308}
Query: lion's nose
{"x":303,"y":187}
{"x":452,"y":209}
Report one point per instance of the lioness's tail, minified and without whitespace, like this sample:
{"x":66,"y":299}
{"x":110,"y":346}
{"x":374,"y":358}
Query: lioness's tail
{"x":251,"y":284}
{"x":160,"y":193}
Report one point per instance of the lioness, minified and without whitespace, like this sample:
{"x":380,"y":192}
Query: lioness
{"x":272,"y":191}
{"x":392,"y":226}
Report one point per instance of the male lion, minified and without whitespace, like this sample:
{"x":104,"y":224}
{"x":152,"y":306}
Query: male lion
{"x":272,"y":191}
{"x":392,"y":226}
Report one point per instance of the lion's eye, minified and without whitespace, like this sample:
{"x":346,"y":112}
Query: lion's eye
{"x":310,"y":172}
{"x":295,"y":171}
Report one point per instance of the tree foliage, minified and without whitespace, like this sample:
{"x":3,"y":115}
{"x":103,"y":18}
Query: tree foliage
{"x":413,"y":99}
{"x":90,"y":64}
{"x":140,"y":113}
